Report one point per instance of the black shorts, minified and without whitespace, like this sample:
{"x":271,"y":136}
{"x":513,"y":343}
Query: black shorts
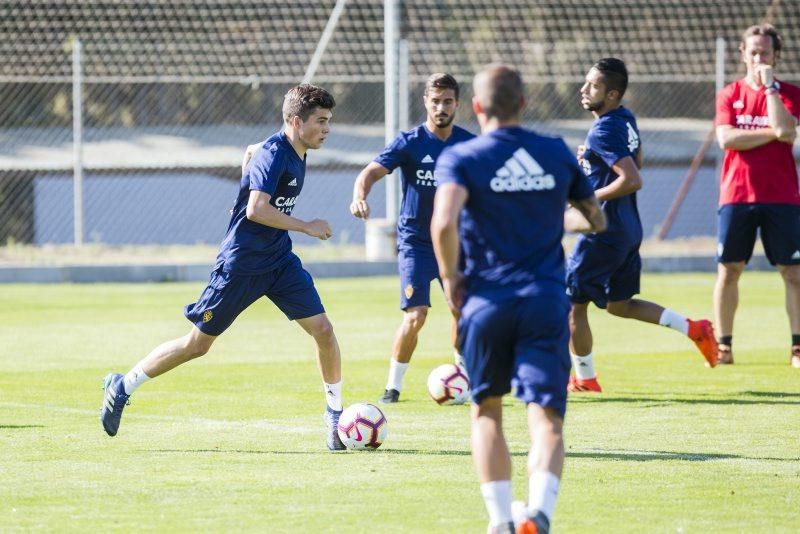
{"x":779,"y":225}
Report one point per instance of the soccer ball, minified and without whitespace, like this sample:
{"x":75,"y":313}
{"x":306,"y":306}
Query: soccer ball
{"x":448,"y":384}
{"x":362,"y":426}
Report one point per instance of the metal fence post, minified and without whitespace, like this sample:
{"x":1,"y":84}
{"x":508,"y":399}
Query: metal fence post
{"x":404,"y":88}
{"x":391,"y":31}
{"x":77,"y":142}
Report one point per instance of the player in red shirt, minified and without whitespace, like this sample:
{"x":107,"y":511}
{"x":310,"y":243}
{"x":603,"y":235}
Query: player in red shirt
{"x":756,"y":123}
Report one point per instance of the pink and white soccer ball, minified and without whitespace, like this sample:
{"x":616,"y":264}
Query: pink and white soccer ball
{"x":362,"y":426}
{"x":448,"y":384}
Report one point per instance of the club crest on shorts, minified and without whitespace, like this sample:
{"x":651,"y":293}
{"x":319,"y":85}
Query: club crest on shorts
{"x":207,"y":316}
{"x":409,"y":291}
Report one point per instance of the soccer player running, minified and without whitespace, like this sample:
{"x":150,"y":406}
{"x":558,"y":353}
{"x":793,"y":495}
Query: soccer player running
{"x":255,"y":260}
{"x":605,"y":268}
{"x":756,"y":125}
{"x":415,"y":152}
{"x":513,"y":186}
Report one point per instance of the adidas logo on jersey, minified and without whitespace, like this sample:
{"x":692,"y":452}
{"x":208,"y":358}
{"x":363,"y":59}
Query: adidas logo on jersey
{"x":796,"y":255}
{"x":427,"y":159}
{"x":738,"y":104}
{"x":521,"y":173}
{"x":293,"y":182}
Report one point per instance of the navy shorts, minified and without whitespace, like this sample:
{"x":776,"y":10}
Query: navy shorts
{"x":519,"y":342}
{"x":418,"y":268}
{"x":780,"y":232}
{"x":600,"y":273}
{"x":227,"y":295}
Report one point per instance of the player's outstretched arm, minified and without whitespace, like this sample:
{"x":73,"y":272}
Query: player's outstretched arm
{"x":585,"y":216}
{"x":628,"y":181}
{"x":363,"y":185}
{"x":259,"y":210}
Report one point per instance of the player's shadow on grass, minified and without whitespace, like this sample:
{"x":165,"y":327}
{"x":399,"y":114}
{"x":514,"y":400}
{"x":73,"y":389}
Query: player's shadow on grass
{"x":649,"y":456}
{"x":770,"y":394}
{"x":763,"y":398}
{"x":15,"y":427}
{"x":627,"y":456}
{"x":256,"y":451}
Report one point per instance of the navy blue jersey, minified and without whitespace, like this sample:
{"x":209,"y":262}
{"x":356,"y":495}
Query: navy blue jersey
{"x":252,"y":248}
{"x":612,"y":137}
{"x":512,"y":224}
{"x":416,"y":152}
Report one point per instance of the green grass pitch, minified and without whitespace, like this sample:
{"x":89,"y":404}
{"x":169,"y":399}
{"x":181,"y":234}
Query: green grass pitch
{"x":233,"y":441}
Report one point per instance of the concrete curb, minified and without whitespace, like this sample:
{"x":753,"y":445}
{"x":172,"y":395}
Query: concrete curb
{"x":169,"y":273}
{"x":696,"y":264}
{"x":340,"y":269}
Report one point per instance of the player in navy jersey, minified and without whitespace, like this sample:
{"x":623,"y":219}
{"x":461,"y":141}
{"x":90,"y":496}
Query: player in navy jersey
{"x":255,"y":260}
{"x":605,"y":268}
{"x":415,"y":152}
{"x":509,"y":187}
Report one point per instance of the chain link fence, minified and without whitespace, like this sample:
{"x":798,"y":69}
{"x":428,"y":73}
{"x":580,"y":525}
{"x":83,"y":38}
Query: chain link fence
{"x":173,"y":90}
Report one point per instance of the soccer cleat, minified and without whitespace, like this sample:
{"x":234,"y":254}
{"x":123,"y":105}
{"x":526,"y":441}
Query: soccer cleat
{"x":527,"y":522}
{"x":331,"y":418}
{"x":537,"y":524}
{"x":586,"y":385}
{"x":390,"y":396}
{"x":114,"y":401}
{"x":795,"y":359}
{"x":725,"y":355}
{"x":702,"y":333}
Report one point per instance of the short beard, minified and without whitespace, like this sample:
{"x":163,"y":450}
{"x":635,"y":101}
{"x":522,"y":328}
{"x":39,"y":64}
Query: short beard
{"x":593,"y":106}
{"x":448,"y":121}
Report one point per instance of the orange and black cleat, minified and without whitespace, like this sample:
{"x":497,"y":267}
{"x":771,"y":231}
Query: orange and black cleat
{"x":702,"y":333}
{"x":585,"y":385}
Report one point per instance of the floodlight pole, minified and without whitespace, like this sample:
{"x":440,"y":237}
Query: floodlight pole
{"x":391,"y":38}
{"x":719,"y":85}
{"x":403,"y":97}
{"x":77,"y":143}
{"x":720,"y":64}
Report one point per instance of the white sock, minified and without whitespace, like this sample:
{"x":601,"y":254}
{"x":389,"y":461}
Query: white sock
{"x":584,"y":366}
{"x":497,"y":497}
{"x":333,"y":395}
{"x":135,"y":378}
{"x":674,"y":320}
{"x":543,"y":492}
{"x":397,"y":371}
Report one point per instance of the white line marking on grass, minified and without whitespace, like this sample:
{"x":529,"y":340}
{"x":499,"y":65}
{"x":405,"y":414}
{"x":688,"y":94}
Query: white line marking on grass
{"x":198,"y":421}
